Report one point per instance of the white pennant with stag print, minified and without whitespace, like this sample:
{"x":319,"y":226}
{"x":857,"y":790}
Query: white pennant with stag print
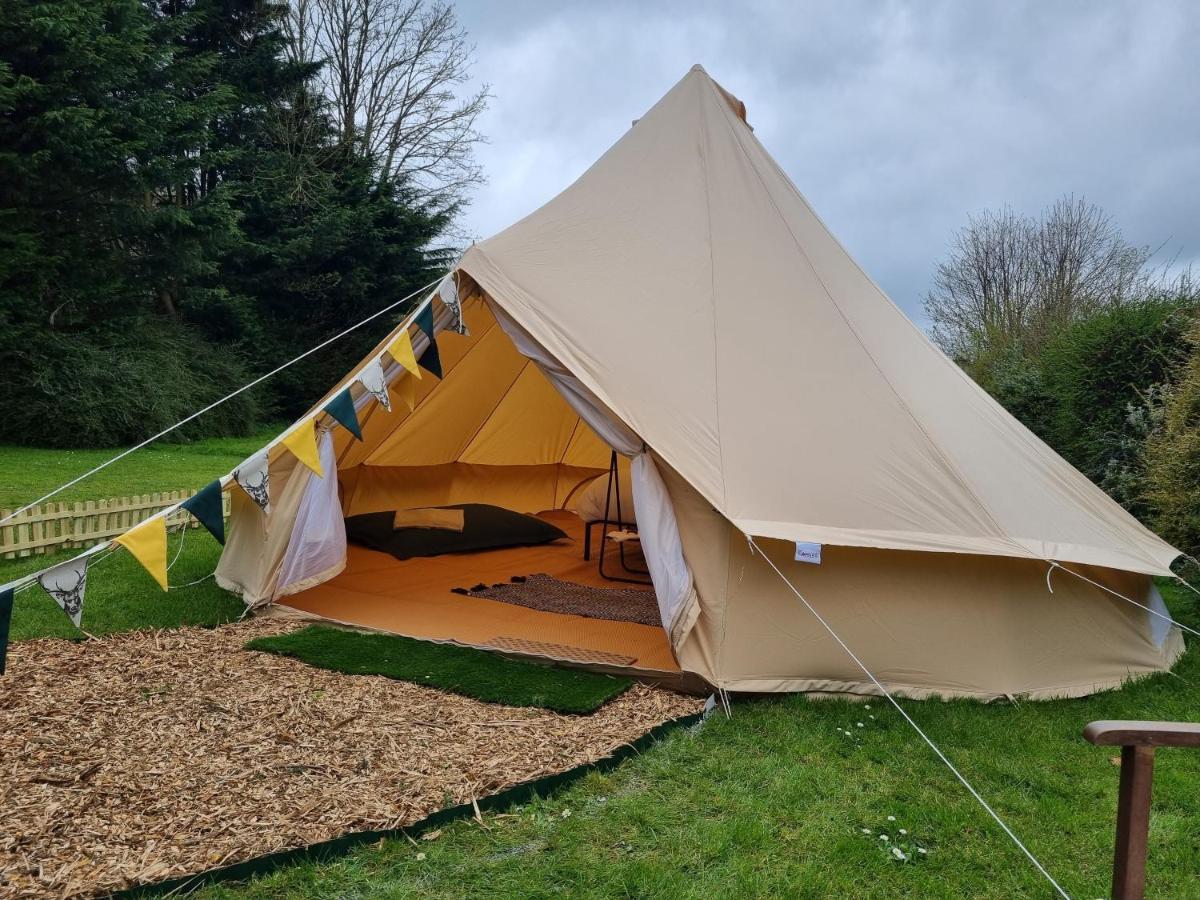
{"x":66,"y":583}
{"x":373,"y":379}
{"x":254,"y":477}
{"x":448,"y":291}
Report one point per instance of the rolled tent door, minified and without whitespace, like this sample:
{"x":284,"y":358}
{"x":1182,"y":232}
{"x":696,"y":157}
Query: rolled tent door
{"x":657,"y":527}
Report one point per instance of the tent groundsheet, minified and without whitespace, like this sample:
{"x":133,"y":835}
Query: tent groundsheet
{"x":414,"y":597}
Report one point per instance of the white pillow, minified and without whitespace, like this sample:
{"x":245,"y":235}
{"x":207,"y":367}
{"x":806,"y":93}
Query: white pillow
{"x":588,"y":501}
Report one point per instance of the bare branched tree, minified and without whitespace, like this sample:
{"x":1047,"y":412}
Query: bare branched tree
{"x":394,"y":72}
{"x":1012,"y":281}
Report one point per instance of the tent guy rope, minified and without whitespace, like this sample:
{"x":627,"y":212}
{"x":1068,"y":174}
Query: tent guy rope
{"x":216,"y":403}
{"x":900,"y":709}
{"x":1054,"y":565}
{"x":1187,"y":584}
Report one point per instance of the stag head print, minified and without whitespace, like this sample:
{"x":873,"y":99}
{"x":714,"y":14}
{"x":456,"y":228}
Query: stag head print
{"x":448,"y":291}
{"x":374,"y":380}
{"x":257,"y":489}
{"x":66,"y":584}
{"x":254,"y":478}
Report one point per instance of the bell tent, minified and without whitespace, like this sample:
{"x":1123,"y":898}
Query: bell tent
{"x":682,"y":305}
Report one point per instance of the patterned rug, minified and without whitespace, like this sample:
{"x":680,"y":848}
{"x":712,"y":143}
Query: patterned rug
{"x":548,"y":594}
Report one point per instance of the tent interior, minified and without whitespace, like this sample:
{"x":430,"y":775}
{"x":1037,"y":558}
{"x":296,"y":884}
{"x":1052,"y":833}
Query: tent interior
{"x":492,"y":431}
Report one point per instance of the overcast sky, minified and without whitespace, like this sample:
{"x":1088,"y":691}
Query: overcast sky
{"x":896,"y":120}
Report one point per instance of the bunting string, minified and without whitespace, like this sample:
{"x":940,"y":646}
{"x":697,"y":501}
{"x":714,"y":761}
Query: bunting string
{"x":144,"y":541}
{"x":257,"y":381}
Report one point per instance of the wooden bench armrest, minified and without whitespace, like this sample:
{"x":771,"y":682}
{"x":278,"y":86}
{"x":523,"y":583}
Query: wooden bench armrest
{"x":1119,"y":733}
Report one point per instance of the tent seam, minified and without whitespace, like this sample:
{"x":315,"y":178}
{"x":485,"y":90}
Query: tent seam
{"x":1024,"y":432}
{"x":491,"y":412}
{"x":571,"y":439}
{"x":858,"y":338}
{"x":479,"y":340}
{"x":712,"y":301}
{"x":562,"y":457}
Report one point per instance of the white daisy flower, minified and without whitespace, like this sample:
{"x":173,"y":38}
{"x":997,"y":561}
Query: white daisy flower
{"x":899,"y":854}
{"x":891,"y":818}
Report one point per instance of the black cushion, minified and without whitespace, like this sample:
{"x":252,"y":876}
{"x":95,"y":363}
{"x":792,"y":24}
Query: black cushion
{"x":484,"y":528}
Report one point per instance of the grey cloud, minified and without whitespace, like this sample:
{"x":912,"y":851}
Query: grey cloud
{"x":896,"y":120}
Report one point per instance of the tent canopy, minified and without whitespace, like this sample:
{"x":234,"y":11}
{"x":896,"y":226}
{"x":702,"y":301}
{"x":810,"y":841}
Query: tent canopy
{"x":688,"y":284}
{"x":682,"y":304}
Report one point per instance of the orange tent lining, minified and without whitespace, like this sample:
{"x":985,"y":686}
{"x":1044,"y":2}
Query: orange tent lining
{"x":413,"y":598}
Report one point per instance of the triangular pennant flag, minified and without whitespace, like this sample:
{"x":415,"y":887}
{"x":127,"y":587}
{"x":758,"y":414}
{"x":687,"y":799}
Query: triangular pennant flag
{"x":407,"y":389}
{"x":303,"y":444}
{"x":372,"y":378}
{"x":401,"y":350}
{"x":6,"y":605}
{"x":254,"y":477}
{"x":448,"y":291}
{"x":431,"y":359}
{"x":425,"y":320}
{"x":66,"y":583}
{"x":148,"y":544}
{"x":341,"y":408}
{"x":208,"y":506}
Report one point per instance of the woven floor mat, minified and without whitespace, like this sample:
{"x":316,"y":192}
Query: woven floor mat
{"x":560,"y":651}
{"x":549,"y":594}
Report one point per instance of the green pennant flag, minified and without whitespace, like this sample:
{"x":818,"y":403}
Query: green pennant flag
{"x":208,"y":508}
{"x":341,"y":408}
{"x":431,"y":359}
{"x":425,"y":320}
{"x":6,"y":605}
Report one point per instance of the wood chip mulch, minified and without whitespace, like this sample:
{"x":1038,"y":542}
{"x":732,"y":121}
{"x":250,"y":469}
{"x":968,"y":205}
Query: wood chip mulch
{"x":144,"y":756}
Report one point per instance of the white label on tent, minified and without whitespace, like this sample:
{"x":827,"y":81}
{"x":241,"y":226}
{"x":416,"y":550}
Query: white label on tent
{"x":808,"y":552}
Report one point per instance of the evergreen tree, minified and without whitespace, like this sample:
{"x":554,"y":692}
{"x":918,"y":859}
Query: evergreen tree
{"x":76,"y":138}
{"x":91,"y":136}
{"x":176,"y":214}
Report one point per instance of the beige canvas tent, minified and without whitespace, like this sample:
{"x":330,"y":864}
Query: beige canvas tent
{"x":682,"y":304}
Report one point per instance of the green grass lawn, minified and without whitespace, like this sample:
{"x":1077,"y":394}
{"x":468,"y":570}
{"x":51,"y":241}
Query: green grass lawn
{"x":774,"y":802}
{"x":460,"y":670}
{"x":121,"y":596}
{"x":27,"y":473}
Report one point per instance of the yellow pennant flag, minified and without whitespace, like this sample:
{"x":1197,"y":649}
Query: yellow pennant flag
{"x":401,"y":350}
{"x":407,"y":389}
{"x":148,"y":544}
{"x":303,"y":444}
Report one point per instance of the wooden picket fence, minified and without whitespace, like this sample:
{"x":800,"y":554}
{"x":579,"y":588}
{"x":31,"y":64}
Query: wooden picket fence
{"x":65,"y":526}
